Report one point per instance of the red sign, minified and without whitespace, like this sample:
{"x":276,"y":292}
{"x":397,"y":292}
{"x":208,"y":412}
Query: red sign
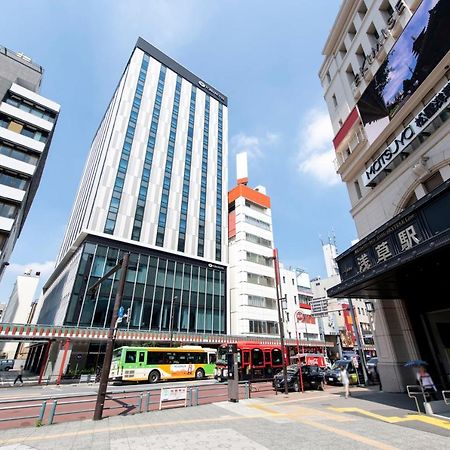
{"x":315,"y":361}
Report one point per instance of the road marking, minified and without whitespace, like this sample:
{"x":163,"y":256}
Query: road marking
{"x":441,"y":423}
{"x":282,"y":402}
{"x":348,"y":434}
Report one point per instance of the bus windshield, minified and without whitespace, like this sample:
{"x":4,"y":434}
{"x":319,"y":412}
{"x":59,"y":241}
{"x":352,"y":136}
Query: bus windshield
{"x":117,"y":354}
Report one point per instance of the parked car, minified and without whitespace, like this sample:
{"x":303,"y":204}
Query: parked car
{"x":333,"y":375}
{"x":6,"y":364}
{"x":313,"y":378}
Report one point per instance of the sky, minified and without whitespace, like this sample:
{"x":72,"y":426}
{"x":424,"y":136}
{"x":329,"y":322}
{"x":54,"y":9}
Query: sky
{"x":264,"y":55}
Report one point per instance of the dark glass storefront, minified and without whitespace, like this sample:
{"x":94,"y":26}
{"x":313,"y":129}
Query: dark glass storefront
{"x":157,"y":283}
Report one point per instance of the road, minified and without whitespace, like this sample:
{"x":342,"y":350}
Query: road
{"x":312,"y":420}
{"x":22,"y":406}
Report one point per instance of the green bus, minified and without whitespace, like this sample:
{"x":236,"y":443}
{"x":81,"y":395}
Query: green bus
{"x":153,"y":364}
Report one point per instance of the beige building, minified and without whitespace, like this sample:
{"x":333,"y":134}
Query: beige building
{"x":385,"y":77}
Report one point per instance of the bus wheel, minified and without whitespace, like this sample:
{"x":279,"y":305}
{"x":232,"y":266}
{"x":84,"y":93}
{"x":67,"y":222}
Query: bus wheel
{"x":154,"y":376}
{"x":199,"y":374}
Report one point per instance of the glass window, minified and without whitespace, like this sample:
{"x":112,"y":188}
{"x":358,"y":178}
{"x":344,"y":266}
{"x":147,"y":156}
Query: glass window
{"x":154,"y":357}
{"x":276,"y":357}
{"x":130,"y":357}
{"x":8,"y":210}
{"x":257,"y":357}
{"x":12,"y":180}
{"x":141,"y":357}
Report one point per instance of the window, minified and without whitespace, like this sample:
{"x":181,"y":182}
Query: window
{"x":261,"y":280}
{"x":276,"y":357}
{"x":12,"y":180}
{"x":130,"y":357}
{"x":357,"y":189}
{"x":154,"y":358}
{"x":263,"y":327}
{"x":293,"y":282}
{"x":257,"y":357}
{"x":23,"y":129}
{"x":8,"y":210}
{"x":254,"y":206}
{"x":257,"y":222}
{"x":18,"y":153}
{"x":328,"y":77}
{"x":259,"y":259}
{"x":258,"y":240}
{"x":141,"y":357}
{"x":262,"y":302}
{"x":335,"y":103}
{"x":284,"y":279}
{"x":295,"y":299}
{"x":287,"y":316}
{"x":29,"y":107}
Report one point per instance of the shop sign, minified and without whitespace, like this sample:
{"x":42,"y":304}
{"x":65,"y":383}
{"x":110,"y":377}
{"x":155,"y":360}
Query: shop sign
{"x":407,"y":135}
{"x":212,"y":91}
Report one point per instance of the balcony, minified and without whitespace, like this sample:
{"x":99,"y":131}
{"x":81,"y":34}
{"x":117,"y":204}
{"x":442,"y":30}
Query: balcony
{"x":357,"y":140}
{"x":21,"y":140}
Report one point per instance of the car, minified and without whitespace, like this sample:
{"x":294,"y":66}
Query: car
{"x":6,"y":364}
{"x":313,"y":378}
{"x":333,"y":375}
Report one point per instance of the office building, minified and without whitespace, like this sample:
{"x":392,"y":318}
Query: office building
{"x":385,"y":77}
{"x":154,"y":185}
{"x":27,"y":123}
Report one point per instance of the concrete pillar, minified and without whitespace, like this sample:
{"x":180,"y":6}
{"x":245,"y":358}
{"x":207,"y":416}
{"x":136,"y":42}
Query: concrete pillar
{"x":395,"y":343}
{"x":55,"y":359}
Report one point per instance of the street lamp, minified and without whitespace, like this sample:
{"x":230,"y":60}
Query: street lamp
{"x":122,"y":265}
{"x":171,"y":320}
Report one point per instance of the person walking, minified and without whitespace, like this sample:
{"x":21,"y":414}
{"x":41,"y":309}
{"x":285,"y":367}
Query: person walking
{"x":425,"y":380}
{"x":19,"y":377}
{"x":345,"y":381}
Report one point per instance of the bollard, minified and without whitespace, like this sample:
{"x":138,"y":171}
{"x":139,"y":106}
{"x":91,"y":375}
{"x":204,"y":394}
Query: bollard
{"x":196,"y":389}
{"x":139,"y":404}
{"x":147,"y":402}
{"x":51,"y":416}
{"x":189,"y":396}
{"x":42,"y":411}
{"x":247,"y":390}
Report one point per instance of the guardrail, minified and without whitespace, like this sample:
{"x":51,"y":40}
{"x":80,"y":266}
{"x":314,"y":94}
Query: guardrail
{"x":446,"y":397}
{"x":415,"y":391}
{"x":46,"y":410}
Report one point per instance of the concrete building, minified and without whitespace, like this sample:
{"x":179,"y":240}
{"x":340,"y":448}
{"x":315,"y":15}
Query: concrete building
{"x":253,"y":296}
{"x":20,"y":309}
{"x":392,"y":152}
{"x":154,"y":185}
{"x":27,"y":123}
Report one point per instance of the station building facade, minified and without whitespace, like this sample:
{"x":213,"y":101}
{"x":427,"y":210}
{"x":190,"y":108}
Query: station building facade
{"x":385,"y":77}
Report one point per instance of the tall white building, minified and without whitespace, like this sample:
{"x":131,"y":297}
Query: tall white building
{"x":385,"y":77}
{"x":27,"y":123}
{"x":155,"y":185}
{"x":253,"y":296}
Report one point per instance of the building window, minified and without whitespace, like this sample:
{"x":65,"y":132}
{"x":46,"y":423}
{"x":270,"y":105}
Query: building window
{"x":24,"y":129}
{"x":293,"y":282}
{"x":219,"y":185}
{"x":113,"y":209}
{"x":263,"y":327}
{"x":357,"y":189}
{"x":258,"y":240}
{"x":259,"y":259}
{"x":295,"y":299}
{"x":13,"y":180}
{"x":262,"y":302}
{"x":254,"y":206}
{"x":19,"y":154}
{"x":164,"y":203}
{"x":335,"y":103}
{"x":287,"y":316}
{"x":27,"y":106}
{"x":203,"y":182}
{"x":261,"y":280}
{"x":284,"y":279}
{"x":147,"y":167}
{"x":8,"y":210}
{"x":328,"y":76}
{"x":257,"y":223}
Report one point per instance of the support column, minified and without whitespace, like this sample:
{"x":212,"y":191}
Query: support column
{"x":64,"y":360}
{"x":395,"y":343}
{"x":44,"y":361}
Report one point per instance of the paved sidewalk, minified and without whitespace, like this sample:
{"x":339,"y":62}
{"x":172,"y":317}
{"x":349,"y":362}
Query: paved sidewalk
{"x":312,"y":420}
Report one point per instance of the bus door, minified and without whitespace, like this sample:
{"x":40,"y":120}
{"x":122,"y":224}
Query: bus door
{"x":141,"y":358}
{"x":257,"y":364}
{"x":246,"y":366}
{"x":268,"y":371}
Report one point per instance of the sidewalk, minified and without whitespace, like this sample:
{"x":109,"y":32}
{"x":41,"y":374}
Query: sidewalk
{"x":310,"y":421}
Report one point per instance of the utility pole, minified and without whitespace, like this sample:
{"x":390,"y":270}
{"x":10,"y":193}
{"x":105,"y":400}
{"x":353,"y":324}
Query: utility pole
{"x":103,"y":386}
{"x":280,"y":317}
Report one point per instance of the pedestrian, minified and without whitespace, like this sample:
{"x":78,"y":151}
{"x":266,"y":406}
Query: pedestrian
{"x":19,"y":376}
{"x":345,"y":381}
{"x":425,"y":380}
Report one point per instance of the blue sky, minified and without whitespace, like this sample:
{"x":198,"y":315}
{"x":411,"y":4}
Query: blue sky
{"x":264,"y":55}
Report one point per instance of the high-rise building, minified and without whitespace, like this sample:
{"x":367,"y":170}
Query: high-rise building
{"x":253,"y":295}
{"x":385,"y":77}
{"x":27,"y":122}
{"x":154,"y":185}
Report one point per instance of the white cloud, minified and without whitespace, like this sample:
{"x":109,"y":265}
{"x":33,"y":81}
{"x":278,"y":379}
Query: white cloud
{"x":253,"y":145}
{"x":316,"y":154}
{"x":46,"y":268}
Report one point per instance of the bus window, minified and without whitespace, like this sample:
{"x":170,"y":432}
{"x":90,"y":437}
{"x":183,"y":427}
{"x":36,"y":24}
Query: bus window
{"x":154,"y":358}
{"x":212,"y":357}
{"x":181,"y":357}
{"x":199,"y":358}
{"x":246,"y":357}
{"x":276,"y":357}
{"x":141,"y":357}
{"x":267,"y":357}
{"x":130,"y":357}
{"x":257,"y":357}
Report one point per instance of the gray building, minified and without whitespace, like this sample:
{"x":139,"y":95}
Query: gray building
{"x":27,"y":122}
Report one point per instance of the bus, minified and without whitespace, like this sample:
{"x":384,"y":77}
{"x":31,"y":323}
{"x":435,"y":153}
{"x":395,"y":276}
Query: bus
{"x":153,"y":364}
{"x":255,"y":361}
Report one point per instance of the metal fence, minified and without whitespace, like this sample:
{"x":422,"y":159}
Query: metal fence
{"x":57,"y":408}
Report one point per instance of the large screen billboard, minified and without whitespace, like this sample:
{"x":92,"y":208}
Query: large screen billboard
{"x":421,"y":46}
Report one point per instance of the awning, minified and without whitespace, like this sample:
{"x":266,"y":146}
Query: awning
{"x":402,"y":256}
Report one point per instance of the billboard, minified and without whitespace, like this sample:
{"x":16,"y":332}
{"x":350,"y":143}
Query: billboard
{"x":421,"y":46}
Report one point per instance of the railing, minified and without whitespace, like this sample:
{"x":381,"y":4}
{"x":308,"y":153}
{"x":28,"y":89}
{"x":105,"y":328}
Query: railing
{"x":47,"y":410}
{"x":415,"y":391}
{"x":446,"y":397}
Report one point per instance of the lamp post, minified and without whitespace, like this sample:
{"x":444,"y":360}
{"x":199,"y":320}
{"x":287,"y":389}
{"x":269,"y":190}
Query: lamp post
{"x":171,"y":320}
{"x":103,"y":385}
